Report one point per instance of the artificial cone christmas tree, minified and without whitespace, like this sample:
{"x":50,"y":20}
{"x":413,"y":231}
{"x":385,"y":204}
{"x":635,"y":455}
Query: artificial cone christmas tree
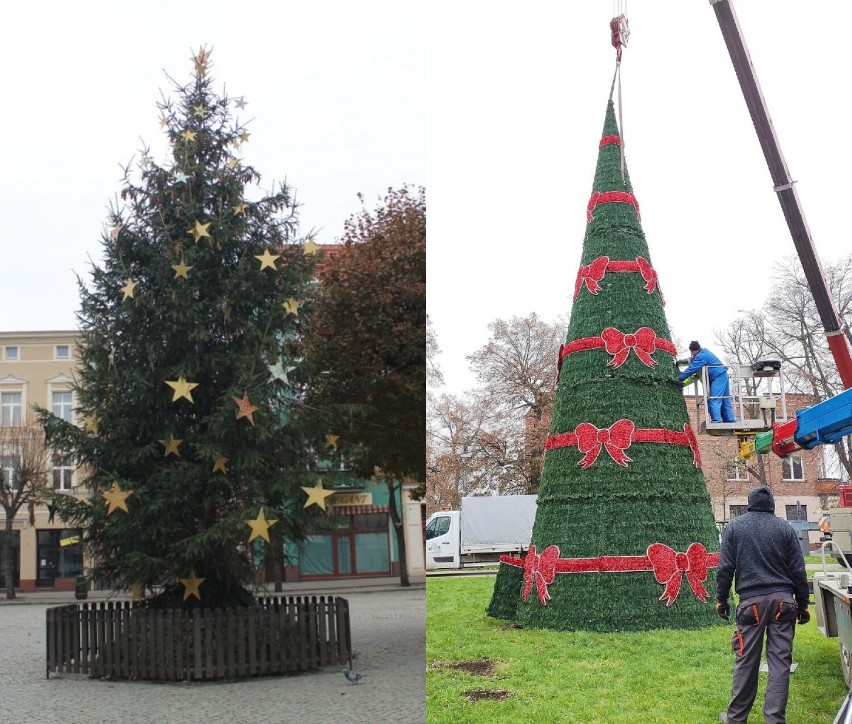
{"x":188,"y":373}
{"x":624,"y":537}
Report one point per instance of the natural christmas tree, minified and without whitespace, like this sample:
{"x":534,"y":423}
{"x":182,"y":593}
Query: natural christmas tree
{"x":624,"y":537}
{"x":189,"y":370}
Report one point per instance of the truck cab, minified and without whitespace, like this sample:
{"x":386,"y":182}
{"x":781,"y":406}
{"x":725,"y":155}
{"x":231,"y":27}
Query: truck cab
{"x":443,"y":540}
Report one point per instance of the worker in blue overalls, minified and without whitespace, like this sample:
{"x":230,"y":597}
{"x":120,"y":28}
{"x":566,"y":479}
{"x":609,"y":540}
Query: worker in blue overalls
{"x":719,"y":396}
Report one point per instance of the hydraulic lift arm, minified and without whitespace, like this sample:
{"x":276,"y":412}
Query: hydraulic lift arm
{"x":785,"y":190}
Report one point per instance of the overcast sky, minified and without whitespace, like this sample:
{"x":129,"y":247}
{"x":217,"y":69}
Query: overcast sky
{"x":335,"y":91}
{"x":516,"y":106}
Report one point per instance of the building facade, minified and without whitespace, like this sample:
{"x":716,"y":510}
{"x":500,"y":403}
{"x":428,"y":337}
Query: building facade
{"x":803,"y":494}
{"x":37,"y":369}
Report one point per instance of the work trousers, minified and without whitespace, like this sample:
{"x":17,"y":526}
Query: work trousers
{"x":719,"y":400}
{"x":773,"y":616}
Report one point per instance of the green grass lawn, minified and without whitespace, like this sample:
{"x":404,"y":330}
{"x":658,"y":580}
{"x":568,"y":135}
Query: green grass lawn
{"x":480,"y":669}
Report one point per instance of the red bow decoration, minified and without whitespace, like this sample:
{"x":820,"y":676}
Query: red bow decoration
{"x":540,"y":570}
{"x":644,"y":343}
{"x":591,"y":274}
{"x":670,"y":566}
{"x":649,"y":275}
{"x":616,"y":439}
{"x":692,"y":442}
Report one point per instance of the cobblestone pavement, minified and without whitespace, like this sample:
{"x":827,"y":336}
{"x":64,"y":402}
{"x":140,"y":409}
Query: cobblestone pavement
{"x":388,"y":639}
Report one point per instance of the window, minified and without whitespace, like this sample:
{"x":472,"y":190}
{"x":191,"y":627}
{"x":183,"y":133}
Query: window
{"x":62,"y":405}
{"x":62,"y":469}
{"x":736,"y":470}
{"x":63,"y":351}
{"x":8,"y":466}
{"x":437,"y":527}
{"x":738,"y":510}
{"x":10,"y":408}
{"x":796,"y":512}
{"x":793,"y":468}
{"x":11,"y":354}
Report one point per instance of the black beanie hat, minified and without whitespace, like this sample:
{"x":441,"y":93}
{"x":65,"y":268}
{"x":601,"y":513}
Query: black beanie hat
{"x":694,"y":346}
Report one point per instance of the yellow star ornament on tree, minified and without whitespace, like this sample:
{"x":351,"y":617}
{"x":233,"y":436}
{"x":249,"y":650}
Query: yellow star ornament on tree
{"x":200,"y":231}
{"x":331,"y":440}
{"x":182,"y":388}
{"x":171,"y":445}
{"x":116,"y":498}
{"x":192,"y":584}
{"x":310,"y":247}
{"x":317,"y":495}
{"x":246,"y":410}
{"x":181,"y":270}
{"x":188,"y":135}
{"x":220,"y":464}
{"x":291,"y":306}
{"x":267,"y":260}
{"x":260,"y":526}
{"x":129,"y":289}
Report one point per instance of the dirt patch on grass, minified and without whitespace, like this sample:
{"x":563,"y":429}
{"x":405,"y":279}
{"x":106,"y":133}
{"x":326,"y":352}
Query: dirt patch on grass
{"x":477,"y":667}
{"x":486,"y":694}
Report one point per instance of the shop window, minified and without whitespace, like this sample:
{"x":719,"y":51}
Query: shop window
{"x":349,"y":545}
{"x":58,"y":555}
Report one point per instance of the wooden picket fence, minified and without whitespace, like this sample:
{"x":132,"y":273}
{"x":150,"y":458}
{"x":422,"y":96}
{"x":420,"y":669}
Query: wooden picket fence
{"x":119,"y":639}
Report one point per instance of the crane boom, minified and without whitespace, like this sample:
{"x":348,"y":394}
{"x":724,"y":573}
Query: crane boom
{"x":784,"y":188}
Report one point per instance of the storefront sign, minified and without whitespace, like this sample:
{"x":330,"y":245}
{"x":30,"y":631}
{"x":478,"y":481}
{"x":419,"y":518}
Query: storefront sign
{"x":352,"y":499}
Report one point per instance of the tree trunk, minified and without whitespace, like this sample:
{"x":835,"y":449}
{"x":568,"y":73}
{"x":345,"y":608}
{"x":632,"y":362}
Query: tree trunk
{"x":8,"y":553}
{"x":396,"y":519}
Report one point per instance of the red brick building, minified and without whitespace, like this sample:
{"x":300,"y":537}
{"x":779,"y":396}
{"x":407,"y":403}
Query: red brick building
{"x":802,"y":492}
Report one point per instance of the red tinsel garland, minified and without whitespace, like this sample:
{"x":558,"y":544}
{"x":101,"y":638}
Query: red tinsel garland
{"x":606,"y":140}
{"x":644,"y":342}
{"x":667,"y":565}
{"x":593,"y":273}
{"x":617,"y":438}
{"x":611,"y":197}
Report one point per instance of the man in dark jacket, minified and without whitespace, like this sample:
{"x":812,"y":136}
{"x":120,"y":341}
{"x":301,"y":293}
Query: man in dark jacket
{"x":763,"y":553}
{"x":719,"y":395}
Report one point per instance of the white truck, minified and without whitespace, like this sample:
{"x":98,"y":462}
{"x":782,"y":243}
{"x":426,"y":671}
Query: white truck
{"x":483,"y":530}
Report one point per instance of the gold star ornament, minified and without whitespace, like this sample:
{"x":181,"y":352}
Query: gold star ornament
{"x":116,"y":498}
{"x":331,"y":440}
{"x":310,"y":247}
{"x":260,"y":526}
{"x":129,"y":289}
{"x":200,"y":231}
{"x":188,"y":135}
{"x":220,"y":464}
{"x":182,"y":388}
{"x":317,"y":495}
{"x":172,"y":446}
{"x":192,"y":585}
{"x":291,"y":306}
{"x":181,"y":270}
{"x":267,"y":259}
{"x":91,"y":422}
{"x":246,"y":409}
{"x":240,"y":208}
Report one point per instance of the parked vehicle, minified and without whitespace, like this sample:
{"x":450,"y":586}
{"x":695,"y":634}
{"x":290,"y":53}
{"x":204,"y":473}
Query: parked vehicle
{"x":479,"y":533}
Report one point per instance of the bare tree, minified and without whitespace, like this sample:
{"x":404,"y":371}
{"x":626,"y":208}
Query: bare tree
{"x":517,"y":371}
{"x":23,"y":458}
{"x":789,"y":328}
{"x":434,"y":376}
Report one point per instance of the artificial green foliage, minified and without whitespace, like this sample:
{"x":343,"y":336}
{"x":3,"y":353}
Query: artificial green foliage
{"x":221,"y":326}
{"x":607,"y":509}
